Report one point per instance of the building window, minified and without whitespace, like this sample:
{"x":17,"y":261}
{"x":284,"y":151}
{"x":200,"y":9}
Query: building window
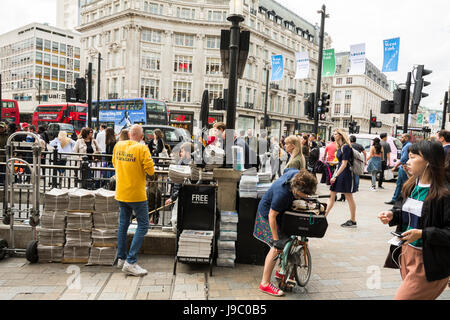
{"x":76,"y":65}
{"x":55,"y":61}
{"x":39,"y":44}
{"x":184,"y":40}
{"x":55,"y":47}
{"x":213,"y":66}
{"x":339,"y":81}
{"x":185,"y":13}
{"x":182,"y":91}
{"x":348,"y":94}
{"x":62,"y":76}
{"x":217,"y":15}
{"x":349,"y":81}
{"x":47,"y":45}
{"x":212,"y":42}
{"x":38,"y":57}
{"x":337,"y":108}
{"x":151,"y":36}
{"x":151,"y":61}
{"x":345,"y":123}
{"x":215,"y":91}
{"x":38,"y":72}
{"x":62,"y":63}
{"x":54,"y":74}
{"x":47,"y":58}
{"x":338,"y":95}
{"x":62,"y":49}
{"x":183,"y":64}
{"x":347,"y":108}
{"x":153,"y":8}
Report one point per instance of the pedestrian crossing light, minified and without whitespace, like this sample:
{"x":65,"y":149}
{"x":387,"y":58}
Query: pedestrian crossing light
{"x":373,"y":122}
{"x":309,"y":106}
{"x":418,"y":87}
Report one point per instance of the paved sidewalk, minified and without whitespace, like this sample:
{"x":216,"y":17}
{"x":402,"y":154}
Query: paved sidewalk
{"x":347,"y":264}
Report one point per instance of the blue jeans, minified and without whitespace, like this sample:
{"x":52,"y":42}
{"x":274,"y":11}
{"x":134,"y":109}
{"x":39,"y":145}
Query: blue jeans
{"x":141,"y":211}
{"x":401,"y":179}
{"x":356,"y":182}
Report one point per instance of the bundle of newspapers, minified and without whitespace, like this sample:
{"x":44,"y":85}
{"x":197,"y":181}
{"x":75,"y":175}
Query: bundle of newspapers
{"x":265,"y":177}
{"x":105,"y":201}
{"x":106,"y":224}
{"x":50,"y":253}
{"x":81,"y":200}
{"x":56,"y":200}
{"x":51,"y":237}
{"x":227,"y":239}
{"x":79,"y":220}
{"x":76,"y":254}
{"x":248,"y":186}
{"x":78,"y":238}
{"x":178,"y":173}
{"x":102,"y":256}
{"x":214,"y":157}
{"x":53,"y":220}
{"x":195,"y":244}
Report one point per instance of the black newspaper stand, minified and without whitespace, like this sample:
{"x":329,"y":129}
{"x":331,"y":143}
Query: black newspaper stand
{"x":197,"y":211}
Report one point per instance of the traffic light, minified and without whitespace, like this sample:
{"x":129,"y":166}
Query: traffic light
{"x":387,"y":107}
{"x":418,"y":87}
{"x":325,"y":103}
{"x":399,"y":101}
{"x":80,"y":90}
{"x":309,"y":106}
{"x":351,"y":127}
{"x":71,"y":95}
{"x":374,"y":123}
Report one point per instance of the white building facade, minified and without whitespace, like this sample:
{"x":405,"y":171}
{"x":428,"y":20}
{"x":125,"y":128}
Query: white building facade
{"x":170,"y":51}
{"x":357,"y":95}
{"x":68,"y":13}
{"x":38,"y":53}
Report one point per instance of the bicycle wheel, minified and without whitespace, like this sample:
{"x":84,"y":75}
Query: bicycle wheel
{"x":302,"y":267}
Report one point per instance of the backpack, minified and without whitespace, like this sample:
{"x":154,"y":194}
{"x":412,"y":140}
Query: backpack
{"x":358,"y":163}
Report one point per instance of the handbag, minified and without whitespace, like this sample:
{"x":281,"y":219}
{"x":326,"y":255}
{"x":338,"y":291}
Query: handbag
{"x":388,"y":174}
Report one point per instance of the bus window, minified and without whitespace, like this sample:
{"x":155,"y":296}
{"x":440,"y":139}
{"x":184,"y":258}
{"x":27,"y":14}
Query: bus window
{"x":121,"y":105}
{"x":129,"y":105}
{"x":155,"y":106}
{"x":81,"y":109}
{"x":112,"y":105}
{"x":139,"y":104}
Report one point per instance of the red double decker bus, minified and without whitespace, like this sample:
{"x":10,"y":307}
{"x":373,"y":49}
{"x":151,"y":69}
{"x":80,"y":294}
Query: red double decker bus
{"x":10,"y":111}
{"x":72,"y":113}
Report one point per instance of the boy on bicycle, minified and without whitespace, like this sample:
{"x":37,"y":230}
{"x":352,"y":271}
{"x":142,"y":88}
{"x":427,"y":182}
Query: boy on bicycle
{"x":292,"y":185}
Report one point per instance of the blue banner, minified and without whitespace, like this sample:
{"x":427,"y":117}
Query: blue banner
{"x":432,"y":118}
{"x":277,"y":68}
{"x":391,"y":54}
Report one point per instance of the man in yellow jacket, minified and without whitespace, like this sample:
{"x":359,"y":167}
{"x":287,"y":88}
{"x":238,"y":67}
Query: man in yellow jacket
{"x":132,"y":162}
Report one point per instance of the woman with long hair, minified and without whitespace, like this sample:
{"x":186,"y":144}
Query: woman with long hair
{"x":124,"y":135}
{"x":64,"y":145}
{"x":343,"y":180}
{"x":374,"y":160}
{"x":110,"y":143}
{"x":294,"y":148}
{"x":422,"y":217}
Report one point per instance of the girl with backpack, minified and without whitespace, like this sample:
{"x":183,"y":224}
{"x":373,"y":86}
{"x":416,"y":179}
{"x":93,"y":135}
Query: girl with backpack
{"x":343,"y":180}
{"x":375,"y":157}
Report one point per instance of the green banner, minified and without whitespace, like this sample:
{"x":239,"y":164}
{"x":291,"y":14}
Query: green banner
{"x":329,"y":63}
{"x":419,"y":118}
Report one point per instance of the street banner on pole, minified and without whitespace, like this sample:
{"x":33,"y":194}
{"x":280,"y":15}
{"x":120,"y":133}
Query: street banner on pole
{"x":419,"y":119}
{"x":432,"y":118}
{"x":358,"y":59}
{"x":391,"y":54}
{"x":277,"y":68}
{"x":328,"y":63}
{"x":302,"y":59}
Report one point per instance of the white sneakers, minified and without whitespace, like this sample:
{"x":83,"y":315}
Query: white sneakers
{"x":133,"y":269}
{"x":372,"y":189}
{"x":120,"y":263}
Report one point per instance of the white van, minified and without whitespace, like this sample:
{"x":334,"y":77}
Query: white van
{"x":396,"y":147}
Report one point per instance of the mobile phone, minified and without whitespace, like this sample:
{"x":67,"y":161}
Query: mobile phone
{"x":399,"y":235}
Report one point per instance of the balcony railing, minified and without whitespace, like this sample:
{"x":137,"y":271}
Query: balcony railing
{"x":249,"y":105}
{"x":292,"y":92}
{"x":274,"y":86}
{"x":113,"y":96}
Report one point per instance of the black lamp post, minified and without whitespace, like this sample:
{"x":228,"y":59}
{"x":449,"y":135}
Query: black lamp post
{"x":236,"y":17}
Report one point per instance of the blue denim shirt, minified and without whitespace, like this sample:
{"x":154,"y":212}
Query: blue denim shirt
{"x":405,"y":152}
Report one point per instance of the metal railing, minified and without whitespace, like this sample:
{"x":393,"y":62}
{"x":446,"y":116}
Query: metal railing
{"x":86,"y":171}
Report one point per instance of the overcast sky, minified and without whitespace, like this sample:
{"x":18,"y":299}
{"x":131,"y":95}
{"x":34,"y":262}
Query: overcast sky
{"x":423,"y":28}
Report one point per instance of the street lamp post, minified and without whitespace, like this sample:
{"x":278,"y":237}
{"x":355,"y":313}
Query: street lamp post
{"x":236,"y":17}
{"x":98,"y":91}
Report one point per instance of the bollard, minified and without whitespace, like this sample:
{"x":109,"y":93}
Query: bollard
{"x":85,"y":173}
{"x":55,"y":161}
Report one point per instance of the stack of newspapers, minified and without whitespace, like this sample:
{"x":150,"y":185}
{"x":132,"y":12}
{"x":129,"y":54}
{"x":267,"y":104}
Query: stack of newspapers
{"x":106,"y":224}
{"x":248,"y":186}
{"x":195,"y":244}
{"x":178,"y":173}
{"x":214,"y":157}
{"x":81,"y":200}
{"x":227,"y":239}
{"x":51,"y":233}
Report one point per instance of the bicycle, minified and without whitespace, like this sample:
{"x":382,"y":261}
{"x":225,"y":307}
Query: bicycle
{"x":295,"y":260}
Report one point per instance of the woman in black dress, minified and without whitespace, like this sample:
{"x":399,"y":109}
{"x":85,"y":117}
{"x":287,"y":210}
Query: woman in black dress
{"x":343,"y":179}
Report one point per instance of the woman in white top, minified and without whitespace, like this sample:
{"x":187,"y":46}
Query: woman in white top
{"x":64,"y":145}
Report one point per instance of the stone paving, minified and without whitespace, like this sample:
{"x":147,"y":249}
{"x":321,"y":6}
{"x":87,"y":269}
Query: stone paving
{"x":347,"y":265}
